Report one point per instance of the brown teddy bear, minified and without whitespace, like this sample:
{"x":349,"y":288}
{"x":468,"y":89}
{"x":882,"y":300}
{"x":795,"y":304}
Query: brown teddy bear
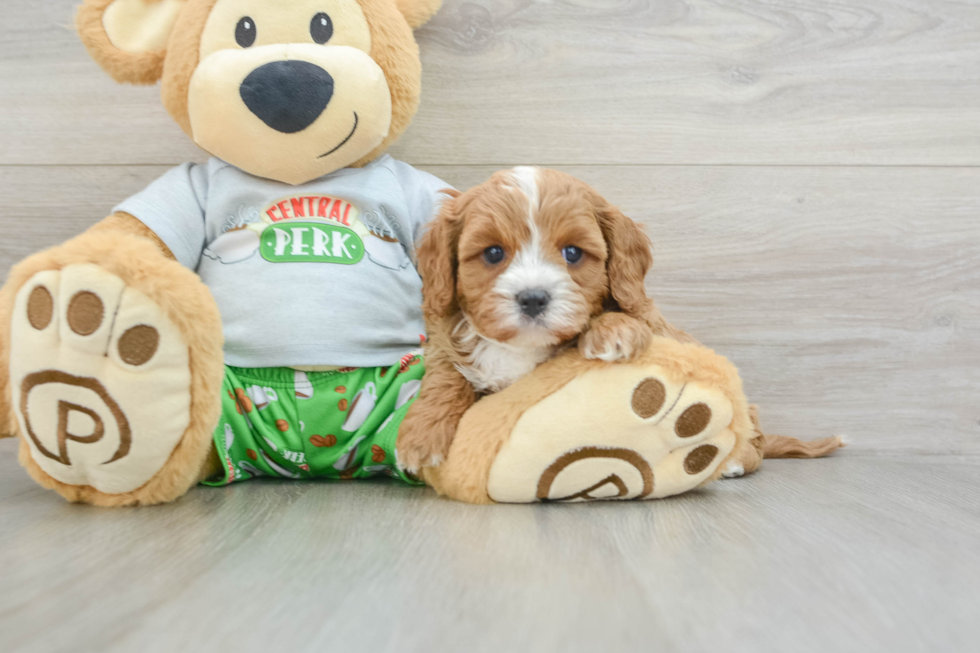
{"x":259,"y":315}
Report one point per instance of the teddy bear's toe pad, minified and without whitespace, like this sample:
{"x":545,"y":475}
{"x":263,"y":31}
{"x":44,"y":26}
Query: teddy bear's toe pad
{"x":100,"y":379}
{"x":617,"y":432}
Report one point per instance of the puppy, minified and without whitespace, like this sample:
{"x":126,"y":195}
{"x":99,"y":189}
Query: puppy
{"x":514,"y":270}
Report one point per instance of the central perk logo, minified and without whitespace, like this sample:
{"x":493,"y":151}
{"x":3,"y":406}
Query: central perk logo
{"x":312,"y":206}
{"x":310,"y":242}
{"x":310,"y":229}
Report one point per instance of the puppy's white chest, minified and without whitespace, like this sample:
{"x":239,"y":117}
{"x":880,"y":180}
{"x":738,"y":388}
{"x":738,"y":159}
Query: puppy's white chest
{"x":493,"y":366}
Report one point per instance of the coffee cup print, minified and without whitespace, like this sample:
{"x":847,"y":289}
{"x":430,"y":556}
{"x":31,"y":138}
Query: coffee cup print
{"x":302,"y":385}
{"x":261,"y":396}
{"x":234,"y":246}
{"x":385,"y":423}
{"x":249,"y":469}
{"x":279,"y":469}
{"x":229,"y":437}
{"x":349,"y":459}
{"x":361,"y":407}
{"x":407,"y":391}
{"x":386,"y":251}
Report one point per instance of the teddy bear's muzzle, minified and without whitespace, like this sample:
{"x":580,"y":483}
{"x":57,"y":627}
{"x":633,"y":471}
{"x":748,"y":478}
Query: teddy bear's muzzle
{"x":288,"y":96}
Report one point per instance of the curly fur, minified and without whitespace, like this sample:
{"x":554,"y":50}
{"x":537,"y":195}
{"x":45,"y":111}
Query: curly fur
{"x":623,"y":322}
{"x":470,"y":350}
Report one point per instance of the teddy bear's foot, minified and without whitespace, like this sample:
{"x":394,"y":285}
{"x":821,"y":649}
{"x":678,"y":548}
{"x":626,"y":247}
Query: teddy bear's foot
{"x":619,"y":432}
{"x":101,"y":385}
{"x":583,"y":430}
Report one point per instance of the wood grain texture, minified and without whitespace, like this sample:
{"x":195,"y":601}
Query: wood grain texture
{"x":848,"y":297}
{"x":843,"y":554}
{"x":882,"y":82}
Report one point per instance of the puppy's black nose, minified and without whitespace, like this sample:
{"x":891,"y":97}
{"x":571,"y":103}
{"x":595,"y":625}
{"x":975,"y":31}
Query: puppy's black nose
{"x":533,"y":302}
{"x":287,"y":95}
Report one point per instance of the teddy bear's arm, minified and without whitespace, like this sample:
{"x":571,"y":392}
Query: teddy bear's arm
{"x":122,"y":222}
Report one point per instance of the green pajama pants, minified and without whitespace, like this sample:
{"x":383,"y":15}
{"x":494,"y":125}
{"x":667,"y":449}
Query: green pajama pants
{"x":281,"y":422}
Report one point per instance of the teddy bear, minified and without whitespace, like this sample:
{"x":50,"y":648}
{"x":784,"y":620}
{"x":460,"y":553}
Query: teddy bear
{"x":260,"y":314}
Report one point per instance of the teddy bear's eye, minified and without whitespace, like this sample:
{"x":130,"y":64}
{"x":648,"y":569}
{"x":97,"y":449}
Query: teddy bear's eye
{"x":321,"y":28}
{"x":245,"y":32}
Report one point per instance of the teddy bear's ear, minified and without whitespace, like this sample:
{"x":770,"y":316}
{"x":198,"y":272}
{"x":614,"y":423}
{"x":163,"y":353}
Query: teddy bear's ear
{"x":128,"y":38}
{"x":418,"y":12}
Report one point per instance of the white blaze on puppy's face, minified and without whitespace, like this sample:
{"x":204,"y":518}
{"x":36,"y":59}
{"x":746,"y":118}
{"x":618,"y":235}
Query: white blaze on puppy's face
{"x":530,"y":296}
{"x":536,"y":268}
{"x":525,"y":299}
{"x":526,"y":179}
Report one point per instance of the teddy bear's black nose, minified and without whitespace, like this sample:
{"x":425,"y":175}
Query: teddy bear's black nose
{"x":287,"y":95}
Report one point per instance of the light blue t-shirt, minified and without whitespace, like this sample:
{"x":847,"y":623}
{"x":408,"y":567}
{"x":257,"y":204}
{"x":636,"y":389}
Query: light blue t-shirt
{"x":317,"y":274}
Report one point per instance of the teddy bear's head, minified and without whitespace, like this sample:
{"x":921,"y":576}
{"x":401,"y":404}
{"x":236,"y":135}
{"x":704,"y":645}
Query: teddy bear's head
{"x":289,"y":90}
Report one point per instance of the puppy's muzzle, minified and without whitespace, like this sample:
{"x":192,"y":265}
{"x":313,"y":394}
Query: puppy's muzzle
{"x":533,"y":302}
{"x":288,"y":96}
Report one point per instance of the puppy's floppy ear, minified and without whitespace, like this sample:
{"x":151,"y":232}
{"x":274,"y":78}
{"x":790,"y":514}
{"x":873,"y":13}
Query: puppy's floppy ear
{"x":437,"y":260}
{"x":629,"y":260}
{"x":418,"y":12}
{"x":128,"y":38}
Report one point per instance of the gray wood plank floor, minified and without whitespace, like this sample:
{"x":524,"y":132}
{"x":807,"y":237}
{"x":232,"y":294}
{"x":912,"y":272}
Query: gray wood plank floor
{"x":810,"y":174}
{"x":845,"y":554}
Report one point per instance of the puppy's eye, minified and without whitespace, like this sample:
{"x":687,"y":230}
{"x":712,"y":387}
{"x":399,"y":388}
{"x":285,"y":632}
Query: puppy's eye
{"x":493,"y":254}
{"x":321,"y":28}
{"x":572,"y":254}
{"x":245,"y":32}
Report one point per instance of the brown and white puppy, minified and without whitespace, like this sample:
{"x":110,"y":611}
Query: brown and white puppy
{"x":513,"y":270}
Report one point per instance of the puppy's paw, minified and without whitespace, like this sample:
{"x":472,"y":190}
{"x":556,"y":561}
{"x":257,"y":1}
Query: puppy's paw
{"x":733,"y":469}
{"x":615,"y":337}
{"x":422,"y":443}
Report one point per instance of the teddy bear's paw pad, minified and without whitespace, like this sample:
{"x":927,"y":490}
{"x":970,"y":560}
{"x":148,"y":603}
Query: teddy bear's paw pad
{"x":100,"y":379}
{"x":618,"y":432}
